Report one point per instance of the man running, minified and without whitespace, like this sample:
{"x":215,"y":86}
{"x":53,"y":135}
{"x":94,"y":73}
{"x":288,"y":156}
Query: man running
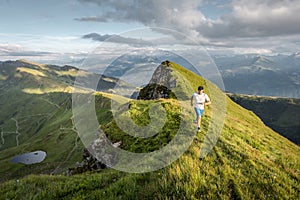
{"x":199,"y":100}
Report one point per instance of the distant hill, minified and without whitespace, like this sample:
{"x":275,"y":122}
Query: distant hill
{"x":281,"y":114}
{"x":249,"y":160}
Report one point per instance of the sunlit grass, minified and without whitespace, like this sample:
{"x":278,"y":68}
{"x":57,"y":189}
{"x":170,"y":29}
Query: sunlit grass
{"x":31,"y":71}
{"x":72,"y":72}
{"x":43,"y":66}
{"x":67,"y":89}
{"x":2,"y":77}
{"x":117,"y":98}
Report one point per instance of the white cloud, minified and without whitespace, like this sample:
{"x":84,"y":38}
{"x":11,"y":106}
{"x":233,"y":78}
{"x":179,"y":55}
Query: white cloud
{"x":252,"y":51}
{"x":4,"y":48}
{"x":16,"y":51}
{"x":247,"y":19}
{"x":257,"y":18}
{"x":173,"y":14}
{"x":252,"y":23}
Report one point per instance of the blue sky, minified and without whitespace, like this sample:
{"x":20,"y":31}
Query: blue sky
{"x":55,"y":18}
{"x":53,"y":30}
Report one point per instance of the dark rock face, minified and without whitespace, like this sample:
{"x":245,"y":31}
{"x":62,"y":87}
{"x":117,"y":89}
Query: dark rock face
{"x":160,"y":84}
{"x":163,"y":76}
{"x":102,"y":149}
{"x":90,"y":162}
{"x":155,"y":91}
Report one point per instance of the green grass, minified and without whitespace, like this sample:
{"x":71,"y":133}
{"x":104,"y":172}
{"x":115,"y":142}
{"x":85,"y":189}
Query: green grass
{"x":42,"y":121}
{"x":234,"y":170}
{"x":139,"y":113}
{"x":249,"y":161}
{"x":35,"y":104}
{"x":48,"y":128}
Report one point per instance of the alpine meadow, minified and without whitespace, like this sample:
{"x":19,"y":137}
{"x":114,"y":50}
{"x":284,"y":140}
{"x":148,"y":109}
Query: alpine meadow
{"x":248,"y":161}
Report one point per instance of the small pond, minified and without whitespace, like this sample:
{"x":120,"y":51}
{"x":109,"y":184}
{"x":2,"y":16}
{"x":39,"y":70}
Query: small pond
{"x":30,"y":158}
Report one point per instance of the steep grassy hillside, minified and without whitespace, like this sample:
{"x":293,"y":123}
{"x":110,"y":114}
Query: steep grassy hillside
{"x":35,"y":103}
{"x":249,"y":161}
{"x":281,"y":114}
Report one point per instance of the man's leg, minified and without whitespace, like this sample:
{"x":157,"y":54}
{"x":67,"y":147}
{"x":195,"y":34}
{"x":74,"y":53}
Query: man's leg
{"x":198,"y":120}
{"x":199,"y":115}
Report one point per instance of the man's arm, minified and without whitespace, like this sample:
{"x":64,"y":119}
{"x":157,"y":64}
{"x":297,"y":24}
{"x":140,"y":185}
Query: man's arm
{"x":207,"y":103}
{"x":192,"y":100}
{"x":207,"y":100}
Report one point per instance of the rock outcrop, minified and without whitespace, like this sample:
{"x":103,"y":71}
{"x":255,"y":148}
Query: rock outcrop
{"x":160,"y":85}
{"x":93,"y":162}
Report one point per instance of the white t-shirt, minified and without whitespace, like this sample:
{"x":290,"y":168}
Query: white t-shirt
{"x":200,"y":99}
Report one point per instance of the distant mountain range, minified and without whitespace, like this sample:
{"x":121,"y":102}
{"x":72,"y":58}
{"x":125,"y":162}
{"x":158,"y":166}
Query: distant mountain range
{"x":277,"y":75}
{"x":253,"y":74}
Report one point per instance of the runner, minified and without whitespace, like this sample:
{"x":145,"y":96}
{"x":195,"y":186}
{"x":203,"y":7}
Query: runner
{"x":199,"y":100}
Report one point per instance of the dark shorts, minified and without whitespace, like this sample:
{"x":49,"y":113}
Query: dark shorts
{"x":199,"y":112}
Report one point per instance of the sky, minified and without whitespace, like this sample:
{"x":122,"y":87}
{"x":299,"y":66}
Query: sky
{"x":64,"y":32}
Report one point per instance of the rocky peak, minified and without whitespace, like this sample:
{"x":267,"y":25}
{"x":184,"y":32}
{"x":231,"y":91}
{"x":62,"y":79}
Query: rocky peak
{"x":162,"y":76}
{"x":161,"y":83}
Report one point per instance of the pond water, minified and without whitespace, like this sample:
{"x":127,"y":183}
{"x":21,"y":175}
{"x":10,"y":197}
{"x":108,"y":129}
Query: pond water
{"x":30,"y":158}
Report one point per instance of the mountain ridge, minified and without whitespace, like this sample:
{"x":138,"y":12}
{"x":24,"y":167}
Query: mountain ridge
{"x":264,"y":75}
{"x":249,"y":160}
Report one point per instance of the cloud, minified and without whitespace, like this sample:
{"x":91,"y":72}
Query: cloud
{"x":244,"y":18}
{"x":9,"y":48}
{"x":93,"y":19}
{"x":173,"y":14}
{"x":97,"y":37}
{"x":27,"y":53}
{"x":46,"y":57}
{"x":115,"y":39}
{"x":18,"y":50}
{"x":256,"y":18}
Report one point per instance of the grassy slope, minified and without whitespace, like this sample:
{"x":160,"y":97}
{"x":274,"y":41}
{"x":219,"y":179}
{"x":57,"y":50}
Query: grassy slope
{"x":35,"y":103}
{"x":281,"y":114}
{"x":41,"y":119}
{"x":250,"y":161}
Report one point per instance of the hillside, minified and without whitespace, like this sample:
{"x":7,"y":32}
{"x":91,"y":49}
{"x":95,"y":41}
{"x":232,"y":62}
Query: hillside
{"x":249,"y":160}
{"x":36,"y":115}
{"x":281,"y":114}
